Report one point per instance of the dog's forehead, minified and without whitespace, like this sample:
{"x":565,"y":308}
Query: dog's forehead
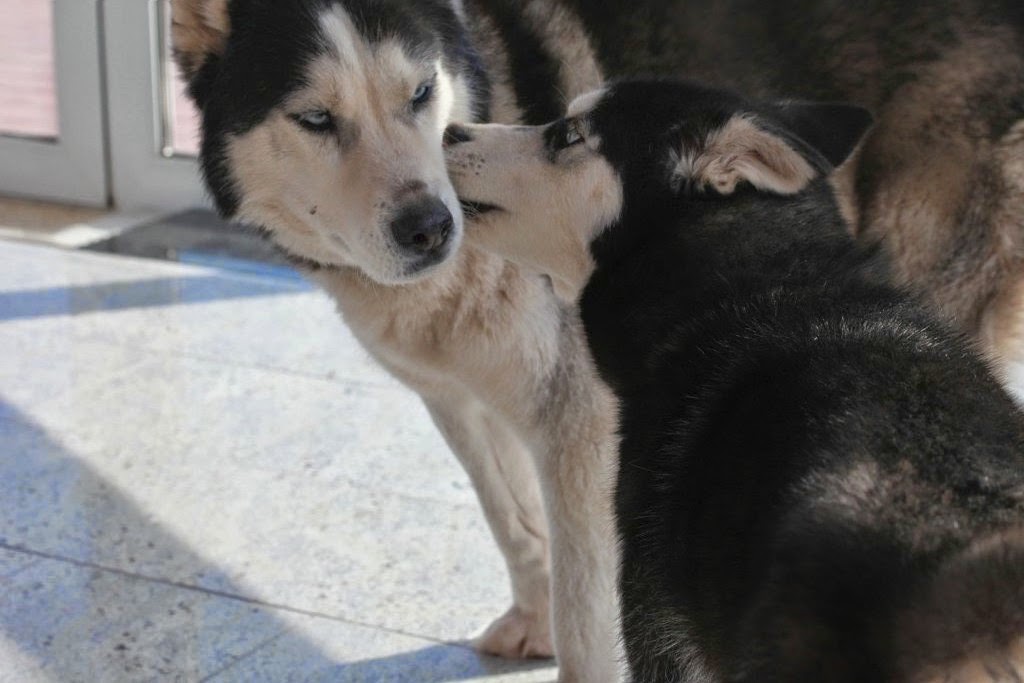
{"x":645,"y":115}
{"x":352,"y":67}
{"x":357,"y":74}
{"x":353,"y":37}
{"x":313,"y":54}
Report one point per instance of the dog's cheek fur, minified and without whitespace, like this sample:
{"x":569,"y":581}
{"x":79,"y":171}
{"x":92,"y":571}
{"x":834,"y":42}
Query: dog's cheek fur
{"x":339,"y":212}
{"x":551,"y":210}
{"x":270,"y":165}
{"x":580,"y":204}
{"x":329,"y":198}
{"x":252,"y":150}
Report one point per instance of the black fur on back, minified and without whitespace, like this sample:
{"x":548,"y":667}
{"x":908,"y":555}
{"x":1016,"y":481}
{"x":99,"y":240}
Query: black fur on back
{"x":804,"y":448}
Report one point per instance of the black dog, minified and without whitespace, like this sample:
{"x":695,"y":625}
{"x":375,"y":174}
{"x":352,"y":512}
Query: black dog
{"x":818,"y":481}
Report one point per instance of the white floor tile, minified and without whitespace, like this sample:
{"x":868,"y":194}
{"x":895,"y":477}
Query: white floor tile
{"x":226,"y":435}
{"x":342,"y":653}
{"x":76,"y":624}
{"x":182,"y":310}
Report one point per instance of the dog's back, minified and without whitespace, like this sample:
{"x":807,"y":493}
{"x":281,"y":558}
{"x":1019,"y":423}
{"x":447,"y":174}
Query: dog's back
{"x":937,"y":182}
{"x":821,"y":460}
{"x":818,"y":481}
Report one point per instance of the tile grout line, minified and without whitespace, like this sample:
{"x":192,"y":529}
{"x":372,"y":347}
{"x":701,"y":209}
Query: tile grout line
{"x":270,"y":368}
{"x":20,"y":570}
{"x":240,"y":658}
{"x":228,"y":596}
{"x":307,"y":288}
{"x":211,"y":359}
{"x":346,"y":479}
{"x":207,"y":358}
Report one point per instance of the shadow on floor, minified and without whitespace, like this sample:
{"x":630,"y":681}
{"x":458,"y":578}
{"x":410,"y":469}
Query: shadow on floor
{"x":107,"y":593}
{"x":199,"y":237}
{"x":116,"y":296}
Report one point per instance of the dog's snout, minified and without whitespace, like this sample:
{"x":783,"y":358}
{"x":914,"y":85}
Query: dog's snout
{"x":423,"y":226}
{"x":456,"y":134}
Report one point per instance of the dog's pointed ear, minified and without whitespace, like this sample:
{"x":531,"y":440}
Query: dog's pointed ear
{"x":779,"y":152}
{"x":742,"y":151}
{"x":199,"y":30}
{"x":832,"y":130}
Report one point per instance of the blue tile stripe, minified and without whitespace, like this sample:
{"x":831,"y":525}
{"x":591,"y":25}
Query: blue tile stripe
{"x":114,"y":296}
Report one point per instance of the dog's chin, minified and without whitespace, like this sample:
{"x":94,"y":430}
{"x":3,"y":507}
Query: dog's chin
{"x":423,"y":268}
{"x":419,"y":269}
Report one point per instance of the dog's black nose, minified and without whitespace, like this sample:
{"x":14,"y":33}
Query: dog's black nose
{"x":422,"y":226}
{"x":454,"y":134}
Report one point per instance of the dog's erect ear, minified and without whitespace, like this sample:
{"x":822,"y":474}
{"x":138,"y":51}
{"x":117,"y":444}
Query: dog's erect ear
{"x":743,"y":151}
{"x":779,"y":153}
{"x":832,"y":130}
{"x":199,"y":29}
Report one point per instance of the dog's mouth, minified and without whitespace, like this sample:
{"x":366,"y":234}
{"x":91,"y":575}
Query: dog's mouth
{"x":474,"y":209}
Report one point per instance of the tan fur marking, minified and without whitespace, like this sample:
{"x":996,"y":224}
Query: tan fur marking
{"x":1004,"y":665}
{"x":970,"y":627}
{"x":565,"y":37}
{"x":199,"y":28}
{"x":740,"y":151}
{"x":504,"y":108}
{"x":355,"y":179}
{"x":550,"y":211}
{"x":561,"y":33}
{"x":935,"y":175}
{"x":1002,"y":325}
{"x":843,"y":181}
{"x":584,"y":102}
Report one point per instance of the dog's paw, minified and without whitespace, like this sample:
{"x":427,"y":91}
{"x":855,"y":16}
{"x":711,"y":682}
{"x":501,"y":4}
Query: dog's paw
{"x":517,"y":635}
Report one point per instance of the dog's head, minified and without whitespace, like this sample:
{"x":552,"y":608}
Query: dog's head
{"x":627,"y":156}
{"x":322,"y":123}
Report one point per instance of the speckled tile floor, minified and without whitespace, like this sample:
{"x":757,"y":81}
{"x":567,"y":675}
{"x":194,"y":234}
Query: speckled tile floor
{"x":203,"y":477}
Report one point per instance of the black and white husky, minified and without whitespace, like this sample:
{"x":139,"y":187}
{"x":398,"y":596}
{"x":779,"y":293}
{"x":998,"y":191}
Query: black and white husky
{"x":818,"y":481}
{"x":322,"y":124}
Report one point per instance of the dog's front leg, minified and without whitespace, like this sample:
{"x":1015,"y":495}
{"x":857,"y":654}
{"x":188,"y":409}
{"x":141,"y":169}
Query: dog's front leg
{"x":578,"y":472}
{"x":502,"y":472}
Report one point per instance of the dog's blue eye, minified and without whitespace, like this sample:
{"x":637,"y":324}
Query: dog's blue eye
{"x":422,"y":94}
{"x":573,"y":134}
{"x":318,"y":121}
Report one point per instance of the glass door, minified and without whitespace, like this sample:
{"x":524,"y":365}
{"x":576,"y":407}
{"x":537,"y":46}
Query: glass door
{"x":153,"y":126}
{"x":51,"y":117}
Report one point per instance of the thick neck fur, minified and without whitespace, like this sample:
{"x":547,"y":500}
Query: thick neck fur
{"x":706,"y":255}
